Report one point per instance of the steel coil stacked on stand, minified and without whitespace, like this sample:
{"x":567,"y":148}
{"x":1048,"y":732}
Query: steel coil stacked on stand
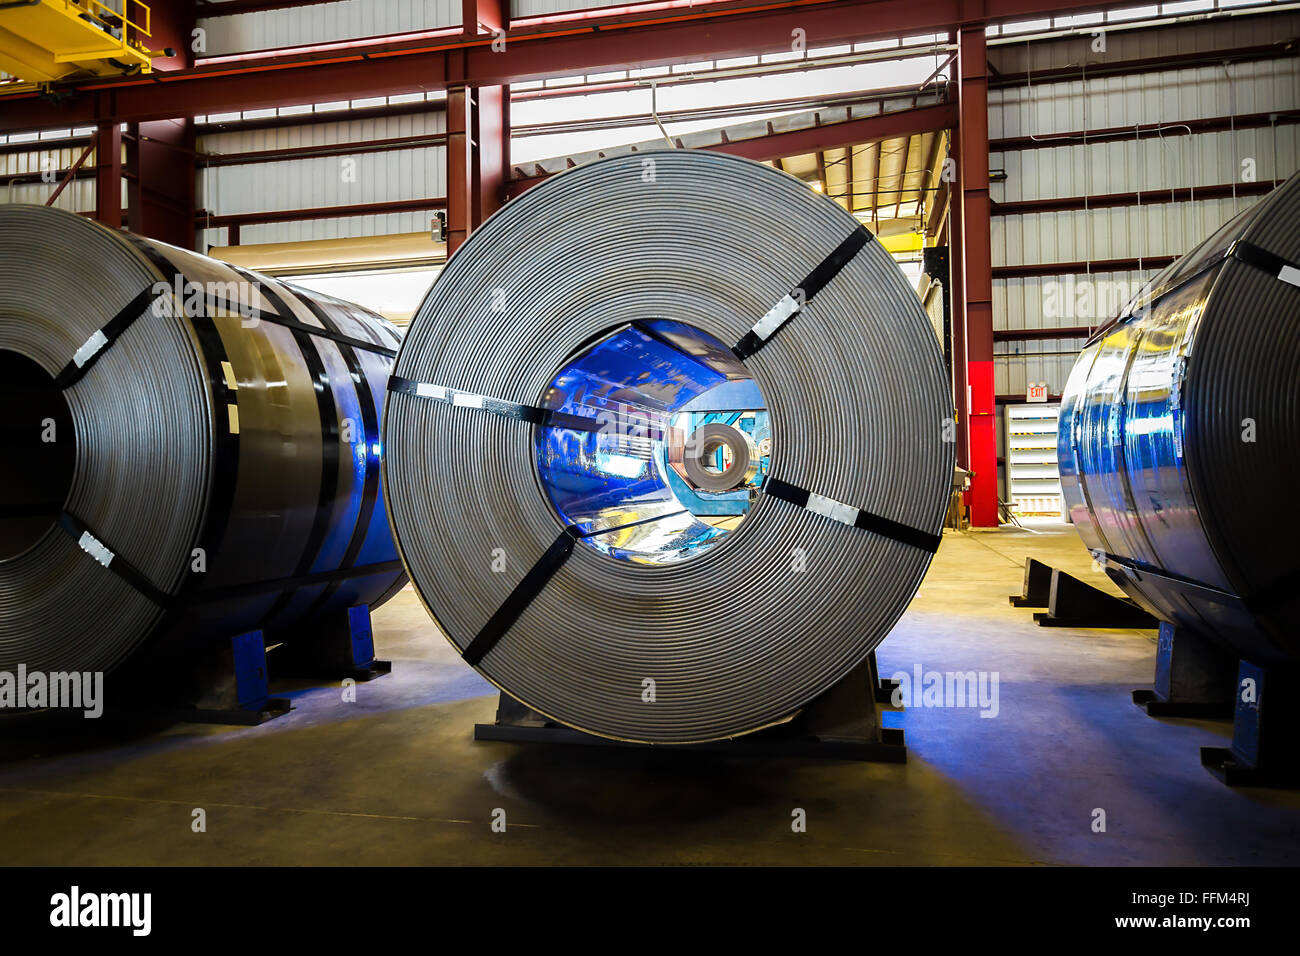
{"x":213,"y":463}
{"x":744,"y":634}
{"x":1180,"y":437}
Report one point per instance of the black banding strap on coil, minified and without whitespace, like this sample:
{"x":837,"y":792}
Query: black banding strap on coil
{"x":1244,"y":252}
{"x":801,"y":295}
{"x":847,"y":514}
{"x":521,"y":596}
{"x":1266,"y":261}
{"x":90,"y":542}
{"x":89,"y":353}
{"x":639,"y":426}
{"x":533,"y":582}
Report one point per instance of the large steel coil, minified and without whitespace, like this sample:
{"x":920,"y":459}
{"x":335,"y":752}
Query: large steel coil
{"x":190,"y":451}
{"x":1179,"y":439}
{"x":526,"y":433}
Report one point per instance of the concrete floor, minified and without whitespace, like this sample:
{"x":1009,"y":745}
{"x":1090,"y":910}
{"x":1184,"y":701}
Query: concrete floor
{"x":395,"y":777}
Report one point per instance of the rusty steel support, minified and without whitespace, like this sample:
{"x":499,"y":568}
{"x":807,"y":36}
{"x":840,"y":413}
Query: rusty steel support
{"x":976,"y":267}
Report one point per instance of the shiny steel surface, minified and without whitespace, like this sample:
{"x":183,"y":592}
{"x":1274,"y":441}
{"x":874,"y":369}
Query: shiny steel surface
{"x":1179,"y":441}
{"x":747,"y":632}
{"x":212,"y":451}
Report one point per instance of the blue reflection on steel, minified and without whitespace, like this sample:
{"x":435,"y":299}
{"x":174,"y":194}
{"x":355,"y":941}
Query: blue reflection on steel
{"x":614,"y":479}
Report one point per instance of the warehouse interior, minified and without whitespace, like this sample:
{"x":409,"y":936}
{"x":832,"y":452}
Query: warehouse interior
{"x":1028,"y":167}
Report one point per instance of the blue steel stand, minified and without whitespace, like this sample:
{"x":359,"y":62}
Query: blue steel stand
{"x":1265,"y":749}
{"x":341,"y":646}
{"x":233,"y":686}
{"x":842,"y":724}
{"x":1194,"y":677}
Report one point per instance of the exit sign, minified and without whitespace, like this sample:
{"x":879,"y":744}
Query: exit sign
{"x":1037,"y":392}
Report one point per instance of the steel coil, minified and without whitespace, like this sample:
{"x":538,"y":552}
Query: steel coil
{"x":191,"y":450}
{"x":1179,"y":437}
{"x":661,"y":261}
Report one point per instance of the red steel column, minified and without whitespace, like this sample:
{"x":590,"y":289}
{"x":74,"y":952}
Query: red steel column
{"x":160,"y":189}
{"x":478,"y":157}
{"x":108,"y":174}
{"x":459,"y":186}
{"x":976,"y":266}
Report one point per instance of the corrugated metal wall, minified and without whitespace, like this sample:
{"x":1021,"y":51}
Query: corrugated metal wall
{"x":77,"y":196}
{"x":538,"y":8}
{"x":324,"y":23}
{"x":1148,"y":226}
{"x":418,"y":173}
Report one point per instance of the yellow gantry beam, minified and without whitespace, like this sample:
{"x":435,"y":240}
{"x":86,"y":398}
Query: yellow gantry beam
{"x":43,"y":41}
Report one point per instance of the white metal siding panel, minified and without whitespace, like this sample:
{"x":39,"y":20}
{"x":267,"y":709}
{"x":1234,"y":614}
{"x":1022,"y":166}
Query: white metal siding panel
{"x":1124,"y":232}
{"x":1041,"y":109}
{"x":325,"y":23}
{"x":540,"y":8}
{"x":1149,"y":165}
{"x":324,"y":133}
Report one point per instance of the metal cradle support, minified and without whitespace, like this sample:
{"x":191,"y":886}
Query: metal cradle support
{"x":1194,"y":677}
{"x":1265,"y":750}
{"x":341,"y":646}
{"x":842,"y":724}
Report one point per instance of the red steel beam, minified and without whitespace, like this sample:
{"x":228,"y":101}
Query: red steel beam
{"x":976,"y":314}
{"x":160,"y":181}
{"x":484,"y":16}
{"x":204,"y":221}
{"x":854,"y":132}
{"x":108,"y":174}
{"x":583,"y":46}
{"x":71,"y":174}
{"x":387,"y":145}
{"x":1038,"y":335}
{"x":478,"y":157}
{"x":1127,"y":134}
{"x":813,"y":139}
{"x":1146,"y":198}
{"x":1080,"y":268}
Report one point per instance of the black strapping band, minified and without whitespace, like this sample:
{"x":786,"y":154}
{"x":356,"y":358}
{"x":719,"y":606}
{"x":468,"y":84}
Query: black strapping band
{"x":1266,"y":261}
{"x":533,"y":582}
{"x":849,"y":515}
{"x":93,"y":545}
{"x":802,"y":294}
{"x":633,"y":426}
{"x":89,"y":542}
{"x":95,"y":346}
{"x":521,"y":596}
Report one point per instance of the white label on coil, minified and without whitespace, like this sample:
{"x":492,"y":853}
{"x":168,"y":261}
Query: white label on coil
{"x":830,"y":508}
{"x":95,"y":548}
{"x":88,"y":350}
{"x":1290,"y":275}
{"x":776,"y":317}
{"x":425,"y":390}
{"x":467,"y":400}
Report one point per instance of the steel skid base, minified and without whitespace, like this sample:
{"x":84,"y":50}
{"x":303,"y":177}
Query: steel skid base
{"x":1265,"y":750}
{"x":842,"y":724}
{"x":1074,"y":603}
{"x":230,"y":684}
{"x":1194,"y":677}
